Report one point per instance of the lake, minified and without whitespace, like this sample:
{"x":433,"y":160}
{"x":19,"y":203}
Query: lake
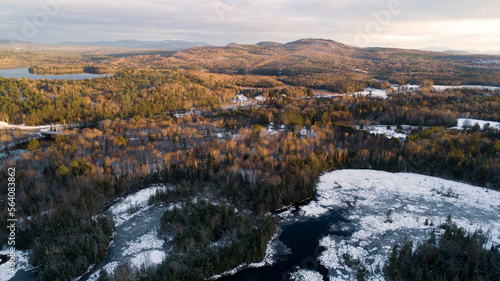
{"x":24,"y":72}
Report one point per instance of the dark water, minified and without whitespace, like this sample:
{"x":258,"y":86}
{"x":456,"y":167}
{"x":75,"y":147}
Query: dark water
{"x":22,"y":275}
{"x":302,"y":238}
{"x":24,"y":72}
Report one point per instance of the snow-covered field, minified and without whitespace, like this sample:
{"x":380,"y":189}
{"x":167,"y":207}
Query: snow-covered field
{"x":478,"y":87}
{"x":464,"y":123}
{"x":412,"y":88}
{"x":390,"y":133}
{"x":373,"y":92}
{"x":405,"y":88}
{"x":388,"y":207}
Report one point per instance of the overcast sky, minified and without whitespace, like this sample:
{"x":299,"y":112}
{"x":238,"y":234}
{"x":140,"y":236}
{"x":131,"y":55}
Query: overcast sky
{"x":456,"y":24}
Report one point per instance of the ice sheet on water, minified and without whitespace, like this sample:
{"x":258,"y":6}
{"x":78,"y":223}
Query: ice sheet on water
{"x":22,"y":262}
{"x":137,"y":200}
{"x":146,"y":242}
{"x":306,"y":275}
{"x":148,"y":258}
{"x":388,"y":207}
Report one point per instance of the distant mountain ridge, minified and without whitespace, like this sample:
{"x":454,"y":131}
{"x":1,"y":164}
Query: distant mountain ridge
{"x":460,"y":52}
{"x":155,"y":45}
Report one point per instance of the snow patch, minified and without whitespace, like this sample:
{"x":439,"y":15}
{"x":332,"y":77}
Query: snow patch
{"x":122,"y":211}
{"x":306,"y":275}
{"x":147,"y":250}
{"x":393,"y":132}
{"x":148,"y":258}
{"x":240,"y":98}
{"x":260,"y":98}
{"x":22,"y":262}
{"x":372,"y":92}
{"x":146,"y":242}
{"x":464,"y":123}
{"x":405,"y":88}
{"x":110,"y":268}
{"x":477,"y":87}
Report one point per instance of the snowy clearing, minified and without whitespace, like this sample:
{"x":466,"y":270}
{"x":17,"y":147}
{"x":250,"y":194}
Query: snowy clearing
{"x":477,"y":87}
{"x":405,"y":88}
{"x":393,"y":132}
{"x":239,"y":98}
{"x":464,"y":123}
{"x":387,"y":207}
{"x":372,"y":92}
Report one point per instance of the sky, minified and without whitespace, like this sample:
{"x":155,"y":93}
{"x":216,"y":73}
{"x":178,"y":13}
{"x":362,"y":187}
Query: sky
{"x":445,"y":24}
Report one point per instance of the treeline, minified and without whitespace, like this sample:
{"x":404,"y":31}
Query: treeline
{"x":71,"y":69}
{"x":152,"y":94}
{"x":470,"y":155}
{"x":26,"y":58}
{"x":418,"y":109}
{"x":334,"y":82}
{"x":65,"y":251}
{"x":456,"y":255}
{"x":130,"y":93}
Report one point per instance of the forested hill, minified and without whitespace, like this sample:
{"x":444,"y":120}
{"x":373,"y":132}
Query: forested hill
{"x":310,"y":59}
{"x":312,"y":56}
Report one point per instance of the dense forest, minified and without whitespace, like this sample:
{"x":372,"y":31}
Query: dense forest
{"x":75,"y":176}
{"x":456,"y":255}
{"x":172,"y":118}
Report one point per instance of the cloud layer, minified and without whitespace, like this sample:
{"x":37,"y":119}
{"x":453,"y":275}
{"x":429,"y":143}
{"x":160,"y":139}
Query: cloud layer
{"x":457,"y":24}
